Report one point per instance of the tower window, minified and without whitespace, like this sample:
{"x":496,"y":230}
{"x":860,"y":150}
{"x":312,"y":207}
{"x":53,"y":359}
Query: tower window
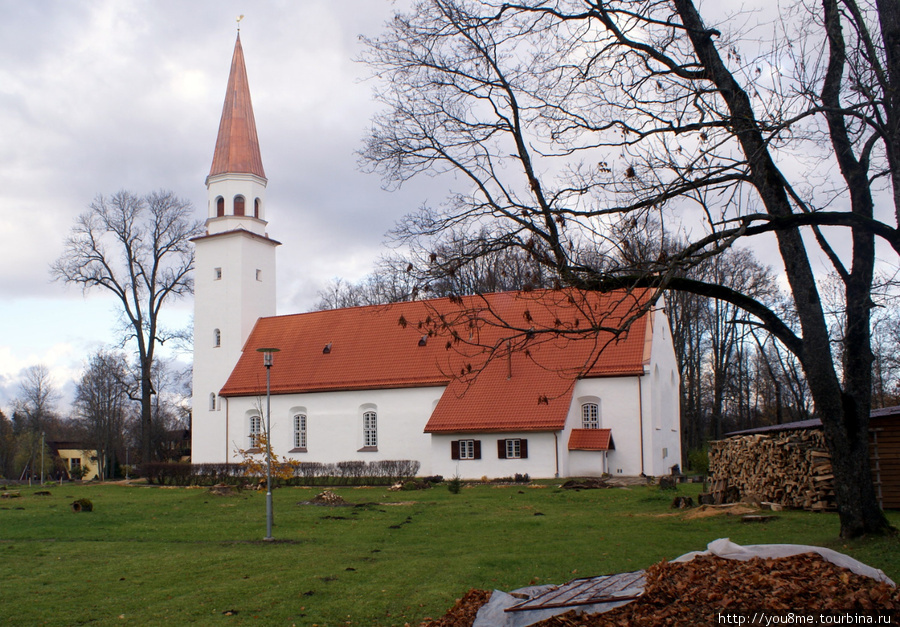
{"x":238,"y":205}
{"x":259,"y":275}
{"x":212,"y":401}
{"x":256,"y":208}
{"x":217,"y":273}
{"x":220,"y":207}
{"x":217,"y":338}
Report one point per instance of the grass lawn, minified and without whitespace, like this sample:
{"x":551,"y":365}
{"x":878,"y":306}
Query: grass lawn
{"x":150,"y":555}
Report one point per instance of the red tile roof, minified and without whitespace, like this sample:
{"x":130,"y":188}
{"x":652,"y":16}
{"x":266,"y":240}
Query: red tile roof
{"x":591,"y":440}
{"x":509,"y":360}
{"x":237,"y":146}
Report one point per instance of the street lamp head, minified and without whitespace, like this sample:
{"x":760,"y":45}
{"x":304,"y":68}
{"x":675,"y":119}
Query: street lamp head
{"x":268,"y":354}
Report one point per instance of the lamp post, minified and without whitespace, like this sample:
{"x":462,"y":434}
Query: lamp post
{"x":268,"y":355}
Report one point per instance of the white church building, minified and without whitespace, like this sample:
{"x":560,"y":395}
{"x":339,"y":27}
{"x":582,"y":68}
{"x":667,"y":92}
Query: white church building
{"x":543,"y":382}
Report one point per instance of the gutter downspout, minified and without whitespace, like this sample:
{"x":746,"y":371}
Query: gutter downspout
{"x":641,"y":420}
{"x":556,"y":451}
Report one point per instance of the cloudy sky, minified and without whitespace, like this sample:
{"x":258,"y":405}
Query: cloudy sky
{"x":102,"y":95}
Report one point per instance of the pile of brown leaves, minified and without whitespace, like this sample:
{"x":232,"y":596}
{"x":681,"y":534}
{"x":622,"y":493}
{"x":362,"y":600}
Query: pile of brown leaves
{"x":696,"y":592}
{"x":463,"y":613}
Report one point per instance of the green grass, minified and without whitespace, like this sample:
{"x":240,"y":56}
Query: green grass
{"x":149,"y":555}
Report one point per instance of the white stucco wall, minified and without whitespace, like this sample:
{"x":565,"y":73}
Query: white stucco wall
{"x":661,"y":396}
{"x":540,"y":464}
{"x":335,"y":424}
{"x":620,"y":410}
{"x":231,"y":304}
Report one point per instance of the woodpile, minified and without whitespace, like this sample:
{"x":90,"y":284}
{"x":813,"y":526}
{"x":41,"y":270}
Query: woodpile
{"x":790,"y":468}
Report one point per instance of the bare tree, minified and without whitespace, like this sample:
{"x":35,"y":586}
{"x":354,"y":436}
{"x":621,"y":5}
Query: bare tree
{"x":102,"y":403}
{"x":38,"y":396}
{"x":566,"y":117}
{"x":459,"y":264}
{"x":137,"y":248}
{"x":7,"y":448}
{"x":171,"y":411}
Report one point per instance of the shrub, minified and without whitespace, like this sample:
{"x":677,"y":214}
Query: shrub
{"x":454,"y":485}
{"x":305,"y":473}
{"x":698,"y":460}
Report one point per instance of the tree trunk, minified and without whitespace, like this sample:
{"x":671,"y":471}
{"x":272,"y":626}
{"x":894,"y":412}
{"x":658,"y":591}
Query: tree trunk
{"x":845,"y":425}
{"x":146,"y":416}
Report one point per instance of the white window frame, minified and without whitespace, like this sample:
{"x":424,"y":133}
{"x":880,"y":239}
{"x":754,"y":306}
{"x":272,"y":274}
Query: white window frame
{"x":467,"y":449}
{"x":370,"y":428}
{"x":590,"y":415}
{"x":255,"y":431}
{"x":300,"y":430}
{"x":217,"y":338}
{"x":514,"y":448}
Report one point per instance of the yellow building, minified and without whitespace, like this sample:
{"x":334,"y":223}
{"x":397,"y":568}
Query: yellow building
{"x":76,"y":459}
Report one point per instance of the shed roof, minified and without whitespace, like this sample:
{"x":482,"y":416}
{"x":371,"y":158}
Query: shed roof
{"x":591,"y":440}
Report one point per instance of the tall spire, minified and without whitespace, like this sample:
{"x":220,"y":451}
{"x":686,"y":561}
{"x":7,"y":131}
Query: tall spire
{"x":237,"y":146}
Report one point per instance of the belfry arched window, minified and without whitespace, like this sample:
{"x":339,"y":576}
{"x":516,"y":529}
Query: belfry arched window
{"x":238,"y":205}
{"x":220,"y":207}
{"x":256,"y":208}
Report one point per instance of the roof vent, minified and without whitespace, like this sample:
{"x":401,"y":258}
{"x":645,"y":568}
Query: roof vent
{"x":423,"y":340}
{"x":327,"y":349}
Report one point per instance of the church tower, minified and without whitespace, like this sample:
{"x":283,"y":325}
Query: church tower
{"x":234,"y":267}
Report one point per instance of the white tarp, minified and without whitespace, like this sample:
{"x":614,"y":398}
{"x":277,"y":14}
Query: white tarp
{"x":723,"y":547}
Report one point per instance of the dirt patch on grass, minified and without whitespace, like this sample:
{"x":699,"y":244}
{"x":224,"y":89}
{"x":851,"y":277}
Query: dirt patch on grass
{"x":735,"y":509}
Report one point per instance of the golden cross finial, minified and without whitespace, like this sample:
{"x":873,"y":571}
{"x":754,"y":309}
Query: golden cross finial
{"x":240,"y":17}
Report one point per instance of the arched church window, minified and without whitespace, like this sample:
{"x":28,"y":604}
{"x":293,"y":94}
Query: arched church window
{"x":255,"y":431}
{"x":370,"y":429}
{"x":220,"y":207}
{"x":217,"y":338}
{"x":590,"y":416}
{"x":256,"y":208}
{"x":238,"y":205}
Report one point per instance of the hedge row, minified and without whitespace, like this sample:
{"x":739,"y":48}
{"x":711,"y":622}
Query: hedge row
{"x":383,"y":472}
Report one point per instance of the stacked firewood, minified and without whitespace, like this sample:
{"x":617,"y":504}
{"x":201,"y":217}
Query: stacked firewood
{"x":791,"y":468}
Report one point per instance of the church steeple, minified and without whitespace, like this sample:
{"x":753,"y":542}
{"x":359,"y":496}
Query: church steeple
{"x":237,"y":181}
{"x":234,"y":265}
{"x":237,"y":146}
